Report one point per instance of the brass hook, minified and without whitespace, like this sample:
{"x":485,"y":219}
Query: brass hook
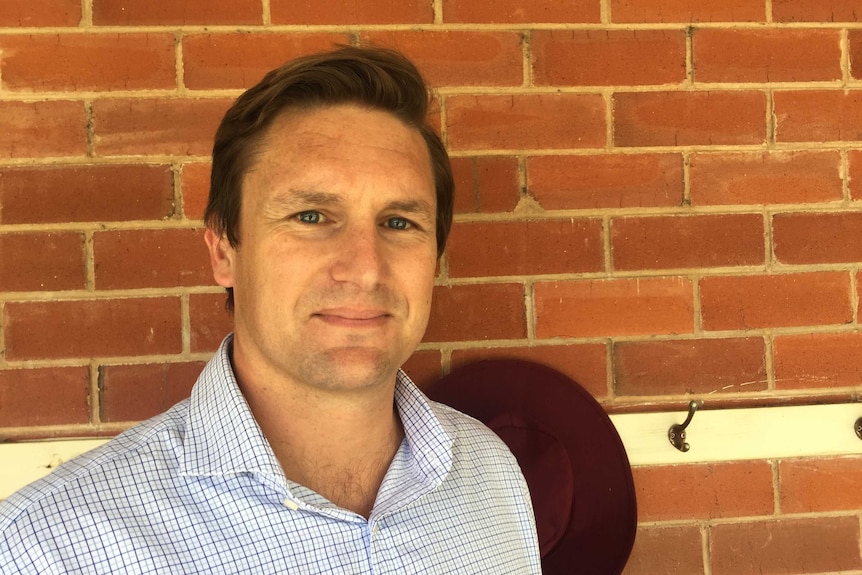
{"x":676,"y":433}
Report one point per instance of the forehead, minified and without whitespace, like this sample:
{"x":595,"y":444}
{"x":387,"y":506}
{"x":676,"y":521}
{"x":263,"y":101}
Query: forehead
{"x":344,"y":137}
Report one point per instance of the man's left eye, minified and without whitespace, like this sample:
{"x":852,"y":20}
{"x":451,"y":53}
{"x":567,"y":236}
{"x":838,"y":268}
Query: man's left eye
{"x":398,"y":224}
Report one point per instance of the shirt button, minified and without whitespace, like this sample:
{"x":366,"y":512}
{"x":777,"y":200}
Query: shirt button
{"x":291,"y":504}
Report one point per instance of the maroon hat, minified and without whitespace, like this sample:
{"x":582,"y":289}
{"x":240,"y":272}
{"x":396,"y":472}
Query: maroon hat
{"x":570,"y":453}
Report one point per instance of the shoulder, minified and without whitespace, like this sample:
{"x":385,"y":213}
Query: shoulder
{"x":152,"y":446}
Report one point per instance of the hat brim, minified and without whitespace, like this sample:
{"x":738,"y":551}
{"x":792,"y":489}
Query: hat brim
{"x":603,"y":517}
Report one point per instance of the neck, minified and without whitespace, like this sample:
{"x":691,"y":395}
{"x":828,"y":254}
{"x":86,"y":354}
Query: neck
{"x":337,"y":443}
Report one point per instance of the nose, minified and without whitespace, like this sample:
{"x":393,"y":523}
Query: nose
{"x":360,"y":257}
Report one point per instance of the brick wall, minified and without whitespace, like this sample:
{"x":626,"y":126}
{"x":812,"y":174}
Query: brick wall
{"x":658,"y":197}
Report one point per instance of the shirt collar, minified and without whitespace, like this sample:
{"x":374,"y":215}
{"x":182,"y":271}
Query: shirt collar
{"x":223,"y":438}
{"x":429,"y":439}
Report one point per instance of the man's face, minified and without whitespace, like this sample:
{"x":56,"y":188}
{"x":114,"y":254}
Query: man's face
{"x":335,"y":266}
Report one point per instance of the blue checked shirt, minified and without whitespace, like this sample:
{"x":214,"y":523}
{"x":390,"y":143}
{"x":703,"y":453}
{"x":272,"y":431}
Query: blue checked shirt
{"x":199,"y":490}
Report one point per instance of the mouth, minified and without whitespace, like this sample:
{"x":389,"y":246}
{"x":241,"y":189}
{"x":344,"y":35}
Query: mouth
{"x":353,"y":317}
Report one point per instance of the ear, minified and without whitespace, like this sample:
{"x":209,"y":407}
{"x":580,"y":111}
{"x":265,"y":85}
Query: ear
{"x":222,"y":258}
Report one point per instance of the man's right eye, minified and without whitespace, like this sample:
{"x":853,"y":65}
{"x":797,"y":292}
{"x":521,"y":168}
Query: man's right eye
{"x":310,"y":217}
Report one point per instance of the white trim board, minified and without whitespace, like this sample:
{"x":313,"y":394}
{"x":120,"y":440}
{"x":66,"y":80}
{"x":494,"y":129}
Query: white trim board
{"x":740,"y":434}
{"x":713,"y":435}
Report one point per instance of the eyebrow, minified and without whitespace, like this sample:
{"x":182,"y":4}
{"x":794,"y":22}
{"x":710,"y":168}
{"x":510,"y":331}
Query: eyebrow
{"x":419,"y":207}
{"x":294,"y":198}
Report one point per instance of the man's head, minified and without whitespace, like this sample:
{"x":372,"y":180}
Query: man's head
{"x":372,"y":78}
{"x":330,"y":204}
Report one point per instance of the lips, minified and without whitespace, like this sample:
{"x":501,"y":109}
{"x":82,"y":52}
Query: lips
{"x":353,"y":317}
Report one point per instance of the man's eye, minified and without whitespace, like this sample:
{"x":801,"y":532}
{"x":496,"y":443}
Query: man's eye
{"x":310,"y":217}
{"x":397,"y":224}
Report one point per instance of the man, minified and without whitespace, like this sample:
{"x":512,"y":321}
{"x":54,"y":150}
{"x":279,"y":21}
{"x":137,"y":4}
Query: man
{"x":303,"y":447}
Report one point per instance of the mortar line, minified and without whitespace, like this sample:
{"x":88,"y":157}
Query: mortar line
{"x":179,"y":65}
{"x":776,"y":486}
{"x":530,"y":309}
{"x":89,"y":130}
{"x":527,"y":57}
{"x":89,"y":261}
{"x":95,"y":384}
{"x":771,"y":120}
{"x":3,"y":364}
{"x":437,"y":6}
{"x":686,"y":178}
{"x":705,"y":537}
{"x":845,"y":57}
{"x":689,"y":56}
{"x":86,"y":14}
{"x":185,"y":324}
{"x":266,"y":12}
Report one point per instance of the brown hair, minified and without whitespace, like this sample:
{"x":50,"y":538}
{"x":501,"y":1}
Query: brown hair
{"x":373,"y":77}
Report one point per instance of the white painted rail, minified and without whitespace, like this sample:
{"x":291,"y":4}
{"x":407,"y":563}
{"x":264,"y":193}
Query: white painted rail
{"x":713,"y":435}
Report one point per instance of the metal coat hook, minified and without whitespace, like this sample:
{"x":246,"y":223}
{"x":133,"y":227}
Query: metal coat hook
{"x":676,"y":433}
{"x":858,"y":428}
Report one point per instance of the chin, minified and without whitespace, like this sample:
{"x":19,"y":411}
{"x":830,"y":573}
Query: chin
{"x":356,"y":368}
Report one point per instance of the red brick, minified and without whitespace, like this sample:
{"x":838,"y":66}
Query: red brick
{"x":44,"y":396}
{"x":608,"y":57}
{"x":525,"y":247}
{"x":809,"y":545}
{"x":518,"y":11}
{"x":817,"y":238}
{"x":854,"y":41}
{"x":42,"y":261}
{"x":32,"y":13}
{"x":424,"y":367}
{"x":643,"y":11}
{"x":666,"y":550}
{"x":813,"y":485}
{"x":77,"y":62}
{"x":195,"y":189}
{"x":477,"y":313}
{"x":151,"y":126}
{"x":692,"y":366}
{"x":210,"y":322}
{"x":170,"y":12}
{"x":777,"y":55}
{"x":240,"y":60}
{"x":587,"y":364}
{"x":606,"y":181}
{"x":761,"y":301}
{"x":127,"y":259}
{"x":42,"y":129}
{"x":353,"y":12}
{"x":486,"y":184}
{"x":119,"y":327}
{"x":816,"y":11}
{"x":689,"y":118}
{"x":85,"y":194}
{"x":137,"y":392}
{"x":459,"y":58}
{"x":854,"y":173}
{"x":663,"y":242}
{"x":526,"y":121}
{"x":818,"y":116}
{"x":755,"y":178}
{"x":592,"y":308}
{"x":818,"y":361}
{"x":704,"y":491}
